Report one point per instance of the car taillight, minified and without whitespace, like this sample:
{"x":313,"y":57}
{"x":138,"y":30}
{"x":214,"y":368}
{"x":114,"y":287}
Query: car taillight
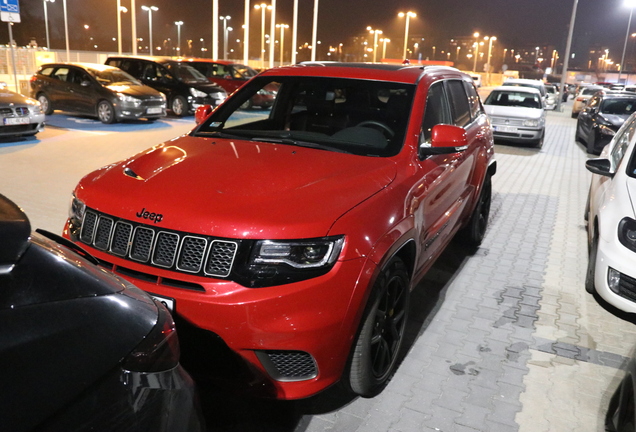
{"x":580,"y":99}
{"x":159,"y":351}
{"x":33,"y":78}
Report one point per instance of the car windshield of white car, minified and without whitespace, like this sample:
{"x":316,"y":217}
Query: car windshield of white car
{"x":364,"y":117}
{"x":513,"y":99}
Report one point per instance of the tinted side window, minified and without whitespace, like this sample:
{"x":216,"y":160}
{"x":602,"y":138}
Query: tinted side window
{"x":473,"y":100}
{"x":622,"y":141}
{"x":437,"y":110}
{"x":133,"y":67}
{"x":459,"y":102}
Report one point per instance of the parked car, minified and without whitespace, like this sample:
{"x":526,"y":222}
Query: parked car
{"x":532,"y":83}
{"x":81,"y":349}
{"x":20,"y":115}
{"x":517,"y":114}
{"x":611,"y":221}
{"x":621,"y":415}
{"x":231,"y":76}
{"x":185,"y":87}
{"x":551,"y":94}
{"x":250,"y":226}
{"x":476,"y":79}
{"x":581,"y":98}
{"x":105,"y":92}
{"x":603,"y":115}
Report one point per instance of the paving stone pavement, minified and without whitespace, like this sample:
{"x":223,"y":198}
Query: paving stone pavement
{"x":513,"y":343}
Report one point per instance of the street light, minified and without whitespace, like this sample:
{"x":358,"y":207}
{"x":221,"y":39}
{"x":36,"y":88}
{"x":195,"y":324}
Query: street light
{"x":46,"y":22}
{"x":282,"y":28}
{"x":314,"y":33}
{"x":375,"y":34}
{"x":384,"y":42}
{"x":408,"y":15}
{"x":120,"y":9}
{"x":225,"y":19}
{"x":178,"y":24}
{"x":490,"y":40}
{"x":476,"y":45}
{"x":631,"y":4}
{"x":150,"y":10}
{"x":133,"y":18}
{"x":68,"y":50}
{"x":262,"y":8}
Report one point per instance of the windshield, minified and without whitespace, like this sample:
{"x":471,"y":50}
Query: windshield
{"x":242,"y":71}
{"x":513,"y":98}
{"x":362,"y":117}
{"x":622,"y":106}
{"x":113,"y":76}
{"x":186,"y":73}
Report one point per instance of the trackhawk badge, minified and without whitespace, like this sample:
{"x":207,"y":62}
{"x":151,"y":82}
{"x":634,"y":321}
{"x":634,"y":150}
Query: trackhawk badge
{"x":145,"y":214}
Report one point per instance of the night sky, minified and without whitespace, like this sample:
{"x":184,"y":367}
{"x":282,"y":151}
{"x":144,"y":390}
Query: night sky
{"x":514,"y":22}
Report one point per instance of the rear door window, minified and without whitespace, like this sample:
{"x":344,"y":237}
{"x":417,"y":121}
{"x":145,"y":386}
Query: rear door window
{"x":459,"y":102}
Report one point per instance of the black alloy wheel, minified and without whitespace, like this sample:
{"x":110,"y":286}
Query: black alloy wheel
{"x":473,"y":234}
{"x":378,"y":343}
{"x":105,"y":112}
{"x":45,"y":104}
{"x":591,"y":263}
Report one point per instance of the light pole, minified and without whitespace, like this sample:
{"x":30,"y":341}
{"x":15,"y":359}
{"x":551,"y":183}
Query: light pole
{"x":133,"y":18}
{"x":150,"y":10}
{"x":225,"y":19}
{"x":408,"y":16}
{"x":272,"y":33}
{"x":120,"y":9}
{"x":262,"y":8}
{"x":631,"y":4}
{"x":215,"y":29}
{"x":282,"y":28}
{"x":46,"y":23}
{"x":294,"y":33}
{"x":314,"y":33}
{"x":490,"y":40}
{"x":68,"y":50}
{"x":246,"y":33}
{"x":179,"y":24}
{"x":384,"y":42}
{"x":375,"y":34}
{"x":476,"y":46}
{"x":566,"y":59}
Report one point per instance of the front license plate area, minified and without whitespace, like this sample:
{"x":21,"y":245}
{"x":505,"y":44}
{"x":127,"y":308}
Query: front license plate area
{"x":154,"y":110}
{"x":16,"y":120}
{"x":505,"y":129}
{"x":166,"y":301}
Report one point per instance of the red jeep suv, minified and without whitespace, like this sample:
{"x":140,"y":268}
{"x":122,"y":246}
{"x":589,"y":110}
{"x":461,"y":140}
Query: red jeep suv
{"x":296,"y":234}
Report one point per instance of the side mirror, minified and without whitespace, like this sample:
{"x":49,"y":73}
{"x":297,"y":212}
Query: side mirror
{"x":445,"y":139}
{"x":202,"y":113}
{"x":599,"y":166}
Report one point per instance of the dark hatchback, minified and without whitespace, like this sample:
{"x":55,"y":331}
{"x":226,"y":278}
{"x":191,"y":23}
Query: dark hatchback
{"x":81,"y":349}
{"x":105,"y":92}
{"x":185,"y":87}
{"x":601,"y":118}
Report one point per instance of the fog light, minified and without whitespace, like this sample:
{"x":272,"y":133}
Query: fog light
{"x":613,"y":279}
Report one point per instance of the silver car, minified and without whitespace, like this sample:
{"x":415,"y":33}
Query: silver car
{"x":580,"y":100}
{"x":19,"y":115}
{"x":517,"y":114}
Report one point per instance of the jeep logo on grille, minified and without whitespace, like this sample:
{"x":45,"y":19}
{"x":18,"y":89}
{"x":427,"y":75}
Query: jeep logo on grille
{"x":145,"y":214}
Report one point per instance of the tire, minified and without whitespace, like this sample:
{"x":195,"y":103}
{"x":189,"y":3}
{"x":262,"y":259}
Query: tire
{"x":247,"y":105}
{"x":105,"y":112}
{"x":45,"y":103}
{"x":575,"y":115}
{"x":473,"y":234}
{"x":591,"y":264}
{"x":539,"y":143}
{"x":591,"y":145}
{"x":179,"y":106}
{"x":378,"y":343}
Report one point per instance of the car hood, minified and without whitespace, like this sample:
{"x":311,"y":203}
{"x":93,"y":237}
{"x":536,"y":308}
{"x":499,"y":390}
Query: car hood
{"x":513,"y":112}
{"x":236,"y":188}
{"x":616,"y":120}
{"x":9,"y":97}
{"x":139,"y":91}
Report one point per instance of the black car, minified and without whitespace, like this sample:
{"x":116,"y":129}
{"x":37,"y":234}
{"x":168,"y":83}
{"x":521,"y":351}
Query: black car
{"x":185,"y":87}
{"x":603,"y":115}
{"x":81,"y":349}
{"x":105,"y":92}
{"x":621,"y":412}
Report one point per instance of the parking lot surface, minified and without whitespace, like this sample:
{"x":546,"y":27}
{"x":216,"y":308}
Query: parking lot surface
{"x":503,"y":338}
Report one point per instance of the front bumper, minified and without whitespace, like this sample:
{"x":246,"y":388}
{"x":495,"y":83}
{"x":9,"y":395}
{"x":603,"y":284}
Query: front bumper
{"x":10,"y":126}
{"x":518,"y":134}
{"x":612,"y":255}
{"x":134,"y":112}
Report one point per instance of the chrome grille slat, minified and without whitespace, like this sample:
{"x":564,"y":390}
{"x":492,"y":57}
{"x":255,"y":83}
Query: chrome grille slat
{"x":177,"y":251}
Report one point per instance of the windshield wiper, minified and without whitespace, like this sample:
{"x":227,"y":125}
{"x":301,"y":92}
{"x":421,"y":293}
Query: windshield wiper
{"x":297,"y":143}
{"x":217,"y":134}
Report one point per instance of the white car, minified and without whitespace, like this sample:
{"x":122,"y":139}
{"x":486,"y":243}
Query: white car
{"x":580,"y":100}
{"x":611,"y":221}
{"x":517,"y":114}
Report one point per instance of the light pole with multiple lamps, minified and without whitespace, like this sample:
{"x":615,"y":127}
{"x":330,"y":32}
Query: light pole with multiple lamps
{"x":408,"y":16}
{"x":46,"y":22}
{"x":179,"y":24}
{"x":150,"y":10}
{"x":225,"y":19}
{"x":262,"y":7}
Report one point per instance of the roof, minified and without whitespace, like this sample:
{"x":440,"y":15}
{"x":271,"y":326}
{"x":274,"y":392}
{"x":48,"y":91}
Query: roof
{"x":518,"y":89}
{"x":378,"y":71}
{"x":95,"y":66}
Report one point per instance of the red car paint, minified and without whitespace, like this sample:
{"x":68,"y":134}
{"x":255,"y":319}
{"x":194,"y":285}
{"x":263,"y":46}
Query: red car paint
{"x":218,"y":186}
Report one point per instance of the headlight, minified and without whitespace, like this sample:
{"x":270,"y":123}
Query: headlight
{"x":197,"y":93}
{"x":531,"y":123}
{"x":76,"y":211}
{"x":218,"y":96}
{"x":627,"y":233}
{"x":128,"y":99}
{"x":605,"y":130}
{"x":298,"y":254}
{"x":36,"y":108}
{"x":163,"y":96}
